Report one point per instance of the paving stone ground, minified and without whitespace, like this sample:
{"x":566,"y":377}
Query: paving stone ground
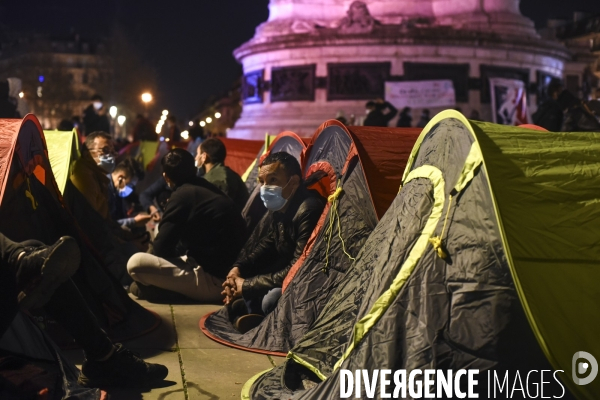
{"x":199,"y":368}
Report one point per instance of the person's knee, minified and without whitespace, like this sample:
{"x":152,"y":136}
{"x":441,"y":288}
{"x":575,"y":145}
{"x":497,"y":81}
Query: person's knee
{"x":270,"y":300}
{"x":135,"y":262}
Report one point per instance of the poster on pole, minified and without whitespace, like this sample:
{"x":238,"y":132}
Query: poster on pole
{"x":509,"y":101}
{"x":421,"y":94}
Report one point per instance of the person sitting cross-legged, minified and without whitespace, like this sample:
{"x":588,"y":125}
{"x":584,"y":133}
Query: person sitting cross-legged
{"x":199,"y":237}
{"x":257,"y":276}
{"x":34,"y":275}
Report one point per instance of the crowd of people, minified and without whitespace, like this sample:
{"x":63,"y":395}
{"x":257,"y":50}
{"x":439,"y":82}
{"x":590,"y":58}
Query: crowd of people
{"x":203,"y":250}
{"x":199,"y":253}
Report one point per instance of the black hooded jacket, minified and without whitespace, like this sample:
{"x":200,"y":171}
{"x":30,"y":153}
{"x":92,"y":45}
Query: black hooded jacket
{"x":204,"y":222}
{"x":267,"y":264}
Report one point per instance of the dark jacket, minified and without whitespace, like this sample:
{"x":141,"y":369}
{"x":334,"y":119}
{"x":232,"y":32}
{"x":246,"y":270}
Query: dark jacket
{"x":203,"y":222}
{"x":230,"y":183}
{"x":266,"y":266}
{"x":378,"y":118}
{"x":94,"y":122}
{"x":549,"y":115}
{"x":153,"y":192}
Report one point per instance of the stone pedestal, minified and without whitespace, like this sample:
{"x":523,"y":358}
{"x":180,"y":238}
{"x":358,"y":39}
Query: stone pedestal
{"x":315,"y":58}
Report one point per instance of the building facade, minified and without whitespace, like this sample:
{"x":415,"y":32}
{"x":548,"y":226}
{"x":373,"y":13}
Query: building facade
{"x":314,"y":58}
{"x":59,"y":74}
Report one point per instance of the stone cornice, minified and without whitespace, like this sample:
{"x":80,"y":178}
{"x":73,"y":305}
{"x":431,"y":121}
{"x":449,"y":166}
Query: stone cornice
{"x":434,"y":36}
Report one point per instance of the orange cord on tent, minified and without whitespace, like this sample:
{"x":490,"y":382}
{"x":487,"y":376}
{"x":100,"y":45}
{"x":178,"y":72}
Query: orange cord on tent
{"x":436,"y":241}
{"x":333,"y":214}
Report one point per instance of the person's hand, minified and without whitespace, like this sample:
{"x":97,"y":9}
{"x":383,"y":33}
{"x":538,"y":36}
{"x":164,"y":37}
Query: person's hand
{"x":227,"y":293}
{"x":234,"y":273}
{"x":154,"y":213}
{"x":239,"y":284}
{"x":141,"y":219}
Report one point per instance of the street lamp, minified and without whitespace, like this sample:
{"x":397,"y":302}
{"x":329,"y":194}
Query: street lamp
{"x":208,"y":120}
{"x":217,"y":115}
{"x":113,"y":112}
{"x":121,"y":119}
{"x":146,"y":98}
{"x":202,"y":124}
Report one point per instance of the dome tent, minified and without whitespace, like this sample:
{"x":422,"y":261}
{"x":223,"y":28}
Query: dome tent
{"x":338,"y":162}
{"x":490,"y":247}
{"x":32,"y":207}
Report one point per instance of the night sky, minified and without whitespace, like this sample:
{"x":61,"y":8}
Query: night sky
{"x":190,"y":43}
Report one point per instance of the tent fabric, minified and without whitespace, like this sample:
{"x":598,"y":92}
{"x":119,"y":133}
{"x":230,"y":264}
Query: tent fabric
{"x":31,"y":207}
{"x":333,"y":153}
{"x":63,"y":149}
{"x":241,"y":153}
{"x":486,"y":259}
{"x":29,"y":361}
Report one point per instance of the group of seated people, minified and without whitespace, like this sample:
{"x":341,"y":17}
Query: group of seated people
{"x":202,"y":252}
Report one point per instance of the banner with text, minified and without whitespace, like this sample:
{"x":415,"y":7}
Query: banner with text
{"x":421,"y":94}
{"x":509,"y":101}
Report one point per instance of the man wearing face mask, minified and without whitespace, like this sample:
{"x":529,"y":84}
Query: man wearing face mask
{"x":257,"y":276}
{"x":121,"y":184}
{"x":199,"y":237}
{"x":211,"y":155}
{"x":90,"y":170}
{"x":94,"y":116}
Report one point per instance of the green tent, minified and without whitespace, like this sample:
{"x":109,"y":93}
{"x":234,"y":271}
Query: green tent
{"x":489,"y":258}
{"x":63,"y":149}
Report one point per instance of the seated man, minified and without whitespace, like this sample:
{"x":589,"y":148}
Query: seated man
{"x":200,"y":223}
{"x":89,"y":176}
{"x":33,"y":275}
{"x":258,"y":275}
{"x":120,"y":185}
{"x":89,"y":171}
{"x":211,"y":154}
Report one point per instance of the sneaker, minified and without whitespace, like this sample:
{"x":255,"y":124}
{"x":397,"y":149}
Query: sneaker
{"x":248,"y":322}
{"x":43,"y":269}
{"x":123,"y":369}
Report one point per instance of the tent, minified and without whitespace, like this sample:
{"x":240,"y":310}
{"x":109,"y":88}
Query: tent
{"x":336,"y":161}
{"x":241,"y":153}
{"x":487,"y":259}
{"x":31,"y":207}
{"x":31,"y":366}
{"x":63,"y":149}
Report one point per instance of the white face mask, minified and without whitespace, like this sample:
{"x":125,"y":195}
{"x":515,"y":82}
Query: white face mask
{"x":272,"y":197}
{"x":97,"y":105}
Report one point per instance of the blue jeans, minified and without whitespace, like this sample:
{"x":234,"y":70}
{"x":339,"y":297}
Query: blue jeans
{"x":270,"y":300}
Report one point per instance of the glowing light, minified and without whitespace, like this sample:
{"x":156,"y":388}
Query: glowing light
{"x":21,"y":95}
{"x":39,"y":91}
{"x":217,"y":115}
{"x":162,"y":139}
{"x":146,"y":97}
{"x":163,"y":117}
{"x":113,"y":112}
{"x":158,"y":131}
{"x":185,"y":135}
{"x":121,"y":119}
{"x":208,"y":120}
{"x":191,"y":123}
{"x":41,"y":78}
{"x":167,"y":140}
{"x":202,"y":124}
{"x":165,"y":112}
